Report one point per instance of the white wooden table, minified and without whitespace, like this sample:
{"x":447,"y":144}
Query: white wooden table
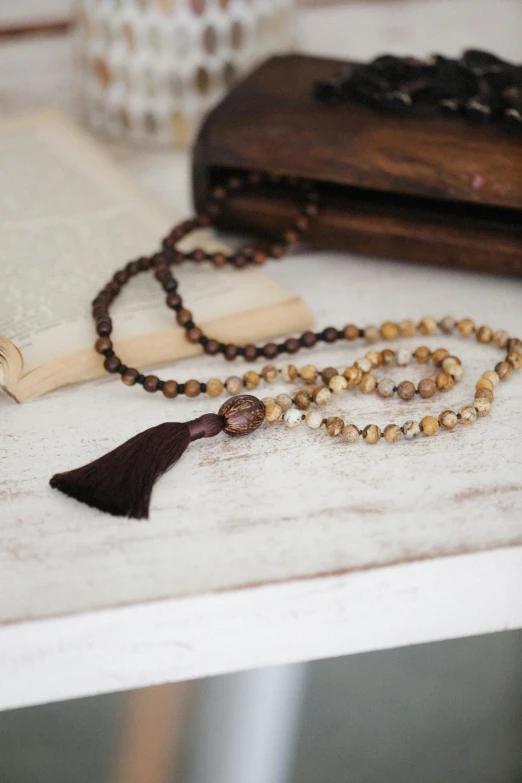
{"x":283,"y":547}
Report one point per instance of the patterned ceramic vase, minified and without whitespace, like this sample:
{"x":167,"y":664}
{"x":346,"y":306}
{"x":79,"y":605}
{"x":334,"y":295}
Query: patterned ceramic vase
{"x":153,"y":68}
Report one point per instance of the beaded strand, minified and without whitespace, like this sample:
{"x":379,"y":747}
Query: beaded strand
{"x":284,"y":408}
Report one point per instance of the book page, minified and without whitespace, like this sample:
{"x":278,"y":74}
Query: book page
{"x":69,"y":218}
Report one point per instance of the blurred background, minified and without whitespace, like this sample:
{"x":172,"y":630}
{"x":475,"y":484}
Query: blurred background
{"x":142,"y":74}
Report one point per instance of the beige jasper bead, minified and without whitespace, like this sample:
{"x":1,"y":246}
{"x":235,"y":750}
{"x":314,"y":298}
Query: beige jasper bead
{"x":375,"y":357}
{"x":407,"y":328}
{"x":484,"y":334}
{"x":428,"y":326}
{"x":444,"y":381}
{"x":234,"y":385}
{"x":483,"y":383}
{"x":302,"y":399}
{"x":284,"y":401}
{"x":309,"y":373}
{"x":215,"y":387}
{"x":251,"y":379}
{"x":468,"y":414}
{"x":466,"y":327}
{"x":429,"y":425}
{"x":314,"y":420}
{"x":292,"y":417}
{"x":273,"y":412}
{"x":406,"y":390}
{"x":503,"y":370}
{"x":447,"y":324}
{"x":364,"y":365}
{"x":353,"y":375}
{"x":485,"y":394}
{"x":482,"y":406}
{"x":500,"y":338}
{"x":371,"y":434}
{"x":267,"y":401}
{"x":389,"y":330}
{"x":289,"y":373}
{"x":389,"y":357}
{"x":350,"y":433}
{"x":427,"y":388}
{"x":403,"y":357}
{"x":515,"y":360}
{"x":338,"y":384}
{"x":456,"y":371}
{"x":411,"y":429}
{"x":492,"y":376}
{"x":270,"y":373}
{"x":448,"y":420}
{"x":422,"y":354}
{"x":386,"y":387}
{"x":392,"y":433}
{"x":321,"y":395}
{"x":368,"y":383}
{"x":438,"y":356}
{"x":371,"y":334}
{"x":334,"y":426}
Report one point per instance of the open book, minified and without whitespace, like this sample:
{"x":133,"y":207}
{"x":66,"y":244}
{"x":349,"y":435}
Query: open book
{"x":69,"y":218}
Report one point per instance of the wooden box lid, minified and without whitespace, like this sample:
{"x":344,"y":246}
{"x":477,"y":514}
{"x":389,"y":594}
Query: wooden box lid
{"x":418,"y":168}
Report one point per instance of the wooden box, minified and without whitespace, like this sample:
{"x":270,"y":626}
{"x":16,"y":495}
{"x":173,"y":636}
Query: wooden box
{"x":419,"y":187}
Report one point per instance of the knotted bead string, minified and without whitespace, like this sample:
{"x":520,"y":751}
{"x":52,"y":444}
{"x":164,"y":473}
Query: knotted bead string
{"x":284,"y":408}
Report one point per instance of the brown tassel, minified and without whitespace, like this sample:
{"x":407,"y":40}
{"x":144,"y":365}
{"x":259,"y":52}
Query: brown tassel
{"x":121,"y":481}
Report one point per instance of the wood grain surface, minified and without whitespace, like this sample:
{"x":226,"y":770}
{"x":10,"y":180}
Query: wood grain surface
{"x":278,"y":547}
{"x":419,"y":187}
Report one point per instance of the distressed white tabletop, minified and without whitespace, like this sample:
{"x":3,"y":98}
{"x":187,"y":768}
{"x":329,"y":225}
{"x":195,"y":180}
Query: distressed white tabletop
{"x":279,"y":547}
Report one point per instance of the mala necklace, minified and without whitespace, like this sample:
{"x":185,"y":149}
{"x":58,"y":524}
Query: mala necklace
{"x":121,"y":482}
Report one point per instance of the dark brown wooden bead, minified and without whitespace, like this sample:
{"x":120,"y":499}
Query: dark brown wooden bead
{"x":351,"y":332}
{"x":183,"y":317}
{"x":308,"y":339}
{"x":270,"y":350}
{"x":277,"y":251}
{"x":178,"y":258}
{"x":211,"y":347}
{"x":198,"y":255}
{"x":122,"y":276}
{"x":219,"y":259}
{"x":103,"y":344}
{"x":330,"y":334}
{"x":151,"y":383}
{"x":311,"y":210}
{"x":230,"y":352}
{"x":170,"y":389}
{"x":133,"y":268}
{"x":219,"y":193}
{"x":243,"y":414}
{"x":194,"y":335}
{"x":192,"y":388}
{"x":259,"y":257}
{"x":240,"y":261}
{"x":302,"y":223}
{"x":250,"y":352}
{"x":327,"y":374}
{"x":112,"y":364}
{"x":130,"y":376}
{"x":292,"y":345}
{"x":104,"y":328}
{"x":291,"y":237}
{"x":173,"y":300}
